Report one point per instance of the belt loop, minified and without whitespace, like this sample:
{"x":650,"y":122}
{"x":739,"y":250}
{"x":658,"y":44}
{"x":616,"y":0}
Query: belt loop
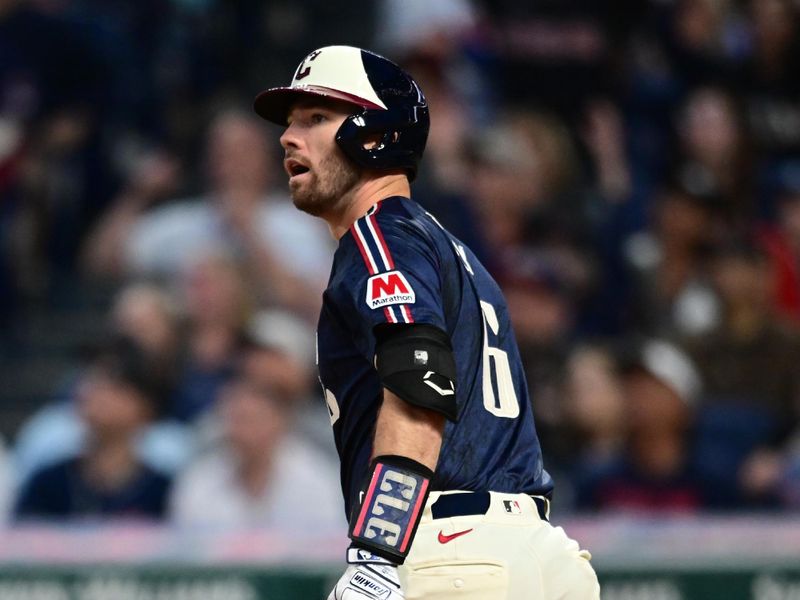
{"x":543,"y":507}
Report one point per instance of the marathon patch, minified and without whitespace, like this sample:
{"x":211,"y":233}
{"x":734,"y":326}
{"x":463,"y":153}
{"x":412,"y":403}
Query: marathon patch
{"x":385,"y":289}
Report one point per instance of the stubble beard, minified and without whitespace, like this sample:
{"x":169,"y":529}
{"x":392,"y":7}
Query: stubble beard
{"x":327,"y":186}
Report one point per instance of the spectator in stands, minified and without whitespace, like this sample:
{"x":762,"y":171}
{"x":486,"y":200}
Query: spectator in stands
{"x":703,"y":40}
{"x":522,"y":187}
{"x":542,"y":293}
{"x":655,"y":471}
{"x":54,"y":87}
{"x":149,"y":315}
{"x":279,"y":354}
{"x":604,"y":136}
{"x":259,"y":473}
{"x":286,"y":253}
{"x":146,"y":315}
{"x":671,"y":290}
{"x":749,"y":363}
{"x":417,"y":27}
{"x":781,"y":240}
{"x":593,"y":413}
{"x":217,"y":303}
{"x":769,"y":85}
{"x":117,"y":398}
{"x":714,"y":155}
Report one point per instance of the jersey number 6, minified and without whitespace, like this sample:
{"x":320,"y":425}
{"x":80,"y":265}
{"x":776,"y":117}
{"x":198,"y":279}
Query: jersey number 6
{"x":505,"y":403}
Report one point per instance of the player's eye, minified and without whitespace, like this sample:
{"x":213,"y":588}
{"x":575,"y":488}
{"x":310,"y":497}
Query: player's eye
{"x":317,"y":118}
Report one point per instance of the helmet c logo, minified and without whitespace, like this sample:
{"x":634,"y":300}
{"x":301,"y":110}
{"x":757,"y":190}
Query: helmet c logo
{"x":303,"y":73}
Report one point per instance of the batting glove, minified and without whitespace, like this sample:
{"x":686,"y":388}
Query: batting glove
{"x":368,"y":577}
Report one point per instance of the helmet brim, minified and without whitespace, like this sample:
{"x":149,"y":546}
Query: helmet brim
{"x":274,"y":104}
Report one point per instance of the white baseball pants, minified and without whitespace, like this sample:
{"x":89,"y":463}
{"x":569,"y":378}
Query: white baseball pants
{"x":508,"y":553}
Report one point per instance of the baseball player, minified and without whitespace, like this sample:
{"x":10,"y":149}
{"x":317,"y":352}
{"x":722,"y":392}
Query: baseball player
{"x":441,"y":468}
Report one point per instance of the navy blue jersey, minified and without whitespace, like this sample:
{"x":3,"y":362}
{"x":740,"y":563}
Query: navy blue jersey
{"x":396,"y":264}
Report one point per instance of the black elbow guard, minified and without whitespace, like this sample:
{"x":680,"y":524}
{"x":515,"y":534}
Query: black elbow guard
{"x":416,"y":363}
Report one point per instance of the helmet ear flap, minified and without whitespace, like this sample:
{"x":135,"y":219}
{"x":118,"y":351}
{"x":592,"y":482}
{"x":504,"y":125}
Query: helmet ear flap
{"x":386,"y":138}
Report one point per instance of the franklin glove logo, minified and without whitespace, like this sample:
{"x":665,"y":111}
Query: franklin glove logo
{"x":389,"y":288}
{"x":368,"y":585}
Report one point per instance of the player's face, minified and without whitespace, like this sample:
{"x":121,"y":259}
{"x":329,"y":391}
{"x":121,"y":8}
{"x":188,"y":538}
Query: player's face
{"x":320,"y":176}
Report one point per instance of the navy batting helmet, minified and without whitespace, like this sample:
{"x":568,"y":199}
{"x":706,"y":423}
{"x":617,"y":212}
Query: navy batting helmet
{"x":389,"y":103}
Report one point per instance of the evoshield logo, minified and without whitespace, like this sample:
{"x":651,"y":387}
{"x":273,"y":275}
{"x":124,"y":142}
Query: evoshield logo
{"x":389,"y":288}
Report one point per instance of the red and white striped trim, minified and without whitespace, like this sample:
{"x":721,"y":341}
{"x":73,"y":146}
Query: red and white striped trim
{"x":367,"y":234}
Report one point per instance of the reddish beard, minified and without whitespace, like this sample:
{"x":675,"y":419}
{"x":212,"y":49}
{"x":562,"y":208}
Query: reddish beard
{"x":325,"y":185}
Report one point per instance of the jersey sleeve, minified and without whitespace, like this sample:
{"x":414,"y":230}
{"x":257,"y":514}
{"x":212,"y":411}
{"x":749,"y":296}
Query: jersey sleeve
{"x":395,"y":279}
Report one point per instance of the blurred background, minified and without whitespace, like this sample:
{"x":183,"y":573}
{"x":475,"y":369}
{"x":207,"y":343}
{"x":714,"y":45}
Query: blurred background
{"x":628,"y":170}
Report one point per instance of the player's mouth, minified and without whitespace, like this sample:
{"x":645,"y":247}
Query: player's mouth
{"x":294,"y":168}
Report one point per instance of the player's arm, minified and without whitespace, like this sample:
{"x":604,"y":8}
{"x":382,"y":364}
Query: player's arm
{"x":414,"y":360}
{"x":411,"y":436}
{"x":406,"y":430}
{"x":417,"y":369}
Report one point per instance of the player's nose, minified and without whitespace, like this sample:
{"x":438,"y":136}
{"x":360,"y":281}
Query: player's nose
{"x":290,"y":138}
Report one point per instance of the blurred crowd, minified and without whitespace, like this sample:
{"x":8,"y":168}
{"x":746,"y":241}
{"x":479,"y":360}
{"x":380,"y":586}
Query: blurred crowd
{"x":629,"y":171}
